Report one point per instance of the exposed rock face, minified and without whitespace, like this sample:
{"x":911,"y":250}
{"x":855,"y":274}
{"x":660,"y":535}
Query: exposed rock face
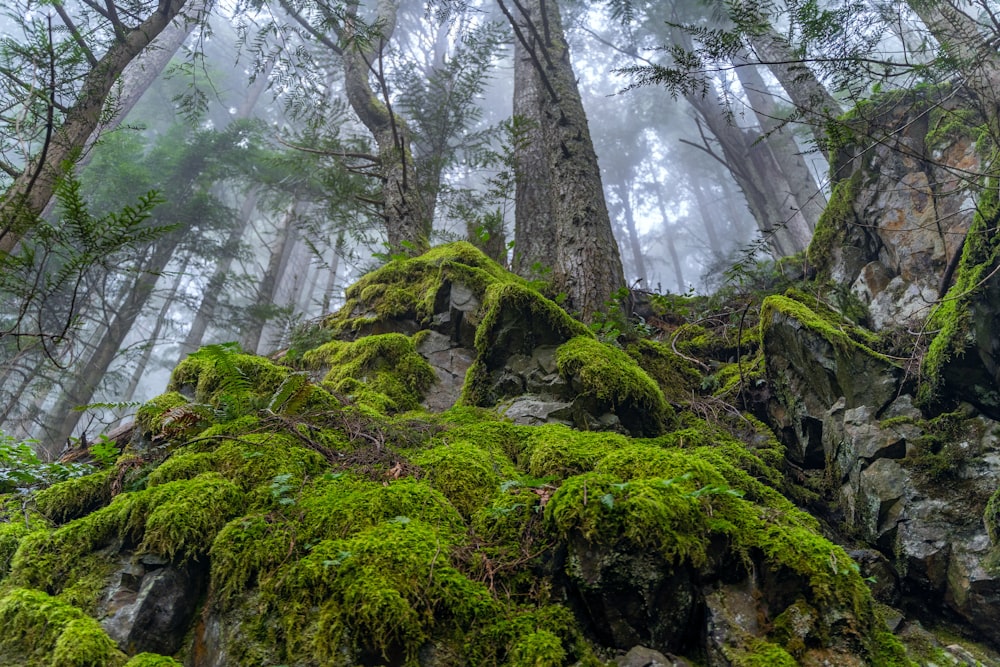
{"x":909,"y":188}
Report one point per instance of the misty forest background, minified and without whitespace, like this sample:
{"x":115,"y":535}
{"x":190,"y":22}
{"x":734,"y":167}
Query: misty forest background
{"x":236,"y":176}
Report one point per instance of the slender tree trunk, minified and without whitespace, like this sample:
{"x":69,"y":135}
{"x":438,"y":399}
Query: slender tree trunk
{"x":625,"y":191}
{"x":331,"y":283}
{"x":250,"y":340}
{"x":977,"y":59}
{"x":31,"y":191}
{"x":805,"y":194}
{"x":707,"y":216}
{"x":216,"y":284}
{"x":64,"y":417}
{"x":813,"y":102}
{"x":161,"y":318}
{"x":675,"y":259}
{"x":759,"y":175}
{"x":588,"y":266}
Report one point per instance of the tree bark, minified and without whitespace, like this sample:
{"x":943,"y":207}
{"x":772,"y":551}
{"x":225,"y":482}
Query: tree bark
{"x":253,"y":332}
{"x":31,"y":191}
{"x":813,"y":102}
{"x":587,"y":264}
{"x":805,"y":191}
{"x":407,"y":222}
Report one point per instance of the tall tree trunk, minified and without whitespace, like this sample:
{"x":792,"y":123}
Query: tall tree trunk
{"x":407,"y":220}
{"x":588,"y":266}
{"x":31,"y":191}
{"x":977,"y":59}
{"x":805,"y":191}
{"x":625,"y":192}
{"x":331,"y":283}
{"x":813,"y":102}
{"x":216,"y":284}
{"x":675,"y":259}
{"x":169,"y":299}
{"x":251,"y":337}
{"x":63,"y":417}
{"x":759,"y":175}
{"x":707,"y":216}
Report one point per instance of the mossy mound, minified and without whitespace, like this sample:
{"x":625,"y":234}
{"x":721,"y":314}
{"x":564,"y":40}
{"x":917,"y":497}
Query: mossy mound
{"x":333,"y":527}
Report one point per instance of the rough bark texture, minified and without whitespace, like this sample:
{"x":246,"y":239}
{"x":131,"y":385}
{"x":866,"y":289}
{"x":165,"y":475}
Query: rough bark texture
{"x":31,"y":191}
{"x":586,"y":265}
{"x":407,"y":222}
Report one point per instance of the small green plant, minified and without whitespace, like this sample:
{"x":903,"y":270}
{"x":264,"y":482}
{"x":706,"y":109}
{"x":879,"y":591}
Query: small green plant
{"x":21,"y":469}
{"x":104,"y":451}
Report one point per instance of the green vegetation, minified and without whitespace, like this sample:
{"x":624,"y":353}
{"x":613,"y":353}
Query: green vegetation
{"x":364,"y":530}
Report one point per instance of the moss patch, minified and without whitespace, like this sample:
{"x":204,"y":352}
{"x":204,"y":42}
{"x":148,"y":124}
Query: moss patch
{"x":616,"y":381}
{"x":39,"y":630}
{"x":386,"y":365}
{"x":75,"y":497}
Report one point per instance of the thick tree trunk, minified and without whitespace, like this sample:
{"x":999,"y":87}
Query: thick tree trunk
{"x":31,"y":191}
{"x":587,"y":264}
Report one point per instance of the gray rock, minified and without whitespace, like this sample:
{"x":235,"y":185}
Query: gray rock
{"x":640,"y":656}
{"x":157,"y":615}
{"x":530,"y":409}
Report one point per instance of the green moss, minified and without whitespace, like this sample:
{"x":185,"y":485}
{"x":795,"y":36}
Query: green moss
{"x":152,"y":660}
{"x":840,"y":334}
{"x":836,"y":219}
{"x":249,"y":549}
{"x":557,"y":450}
{"x":386,"y":590}
{"x":617,"y":382}
{"x":388,"y":365}
{"x":466,"y":474}
{"x":75,"y":497}
{"x":539,"y":649}
{"x":231,"y":382}
{"x":39,"y":630}
{"x":516,"y":319}
{"x":176,"y":520}
{"x":676,"y":376}
{"x":991,"y":518}
{"x":953,"y":316}
{"x":762,"y":653}
{"x":171,"y":416}
{"x":10,"y":536}
{"x":407,"y":288}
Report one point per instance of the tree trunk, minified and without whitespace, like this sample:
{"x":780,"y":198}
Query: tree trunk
{"x":707,"y":219}
{"x":758,"y":174}
{"x":813,"y":102}
{"x":169,"y":301}
{"x":63,"y":417}
{"x":407,"y":223}
{"x":216,"y":284}
{"x":805,"y":191}
{"x":250,"y":340}
{"x":977,"y":59}
{"x":31,"y":191}
{"x":625,"y":192}
{"x":588,"y":268}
